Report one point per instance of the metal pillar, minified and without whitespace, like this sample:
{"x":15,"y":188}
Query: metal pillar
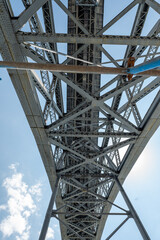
{"x":49,"y":212}
{"x":133,"y":212}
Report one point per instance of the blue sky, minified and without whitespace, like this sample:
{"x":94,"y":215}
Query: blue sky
{"x":23,"y":177}
{"x":21,"y":163}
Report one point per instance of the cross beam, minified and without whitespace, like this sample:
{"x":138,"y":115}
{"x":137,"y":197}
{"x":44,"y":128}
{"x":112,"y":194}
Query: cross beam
{"x":88,"y":39}
{"x":73,"y":69}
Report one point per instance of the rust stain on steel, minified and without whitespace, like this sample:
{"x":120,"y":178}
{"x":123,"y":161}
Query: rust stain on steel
{"x":73,"y":68}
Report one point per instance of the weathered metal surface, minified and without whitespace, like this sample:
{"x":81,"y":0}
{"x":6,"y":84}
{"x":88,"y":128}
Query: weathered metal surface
{"x":88,"y":134}
{"x":75,"y":69}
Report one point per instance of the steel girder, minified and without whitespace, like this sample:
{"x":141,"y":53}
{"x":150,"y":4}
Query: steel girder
{"x":91,"y":39}
{"x":89,"y":133}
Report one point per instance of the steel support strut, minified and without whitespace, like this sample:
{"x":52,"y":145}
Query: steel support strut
{"x":57,"y":68}
{"x":111,"y":235}
{"x":132,"y":211}
{"x":152,"y":64}
{"x":49,"y":212}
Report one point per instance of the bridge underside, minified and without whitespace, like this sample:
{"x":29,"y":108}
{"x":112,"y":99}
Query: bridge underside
{"x":89,"y":129}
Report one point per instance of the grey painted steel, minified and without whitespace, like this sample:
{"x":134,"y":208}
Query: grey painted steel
{"x":115,"y":19}
{"x":49,"y":212}
{"x":71,"y":16}
{"x":144,"y":92}
{"x":87,"y":190}
{"x":154,"y":4}
{"x":40,"y":86}
{"x":28,"y":13}
{"x":133,"y":212}
{"x":67,"y":226}
{"x":111,"y":235}
{"x":90,"y":39}
{"x":99,"y":134}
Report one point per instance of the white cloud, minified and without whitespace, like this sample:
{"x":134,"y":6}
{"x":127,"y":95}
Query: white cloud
{"x":3,"y":207}
{"x":14,"y":166}
{"x":36,"y":190}
{"x":20,"y":205}
{"x":55,"y":225}
{"x":50,"y":234}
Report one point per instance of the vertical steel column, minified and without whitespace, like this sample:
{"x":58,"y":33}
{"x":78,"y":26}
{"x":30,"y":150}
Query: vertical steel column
{"x":133,"y":212}
{"x":49,"y":212}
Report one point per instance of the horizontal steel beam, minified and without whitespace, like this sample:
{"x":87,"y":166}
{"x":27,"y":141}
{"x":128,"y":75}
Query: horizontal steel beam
{"x":73,"y":69}
{"x":92,"y":134}
{"x":85,"y":201}
{"x":93,"y":175}
{"x":88,"y":39}
{"x":85,"y":213}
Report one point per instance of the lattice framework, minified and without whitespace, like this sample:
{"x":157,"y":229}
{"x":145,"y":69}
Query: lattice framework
{"x":88,"y":130}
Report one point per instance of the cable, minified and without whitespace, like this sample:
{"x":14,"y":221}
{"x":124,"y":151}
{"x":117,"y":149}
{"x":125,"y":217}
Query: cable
{"x":119,"y":60}
{"x":66,"y":55}
{"x":85,"y":61}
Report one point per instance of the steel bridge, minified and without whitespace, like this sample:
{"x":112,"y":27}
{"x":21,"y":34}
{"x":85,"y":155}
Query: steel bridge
{"x":90,"y":128}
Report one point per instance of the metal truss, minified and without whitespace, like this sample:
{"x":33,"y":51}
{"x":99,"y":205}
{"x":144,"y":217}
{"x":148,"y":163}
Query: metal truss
{"x":90,"y":216}
{"x":87,"y":3}
{"x":90,"y":137}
